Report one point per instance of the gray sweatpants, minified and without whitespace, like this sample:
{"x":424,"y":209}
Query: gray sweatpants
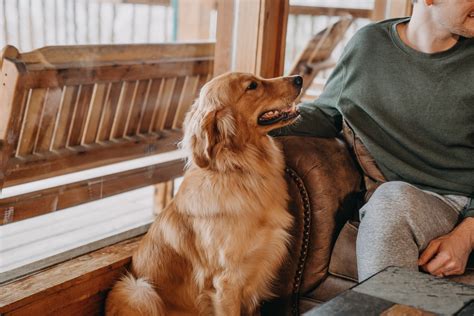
{"x":398,"y":222}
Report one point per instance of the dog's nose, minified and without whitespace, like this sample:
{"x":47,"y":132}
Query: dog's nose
{"x":298,"y":81}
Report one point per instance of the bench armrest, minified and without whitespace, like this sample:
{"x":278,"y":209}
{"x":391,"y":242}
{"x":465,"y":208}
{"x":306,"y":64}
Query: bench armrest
{"x":324,"y":184}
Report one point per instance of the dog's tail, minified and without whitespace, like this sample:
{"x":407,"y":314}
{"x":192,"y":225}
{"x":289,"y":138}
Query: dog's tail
{"x":132,"y":296}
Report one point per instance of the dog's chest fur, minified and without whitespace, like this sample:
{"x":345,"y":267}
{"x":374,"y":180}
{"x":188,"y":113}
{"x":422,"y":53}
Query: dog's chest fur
{"x":240,"y":224}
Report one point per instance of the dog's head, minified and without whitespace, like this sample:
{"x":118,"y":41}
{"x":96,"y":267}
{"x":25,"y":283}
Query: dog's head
{"x":235,"y":109}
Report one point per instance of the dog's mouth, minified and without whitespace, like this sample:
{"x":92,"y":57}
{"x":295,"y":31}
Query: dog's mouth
{"x":274,"y":116}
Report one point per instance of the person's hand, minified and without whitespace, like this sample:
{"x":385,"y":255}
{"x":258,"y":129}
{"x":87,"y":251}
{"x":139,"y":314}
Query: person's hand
{"x":448,"y":254}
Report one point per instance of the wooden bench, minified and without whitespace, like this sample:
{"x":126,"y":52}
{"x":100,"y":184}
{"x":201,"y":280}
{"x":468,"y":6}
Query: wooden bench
{"x":72,"y":108}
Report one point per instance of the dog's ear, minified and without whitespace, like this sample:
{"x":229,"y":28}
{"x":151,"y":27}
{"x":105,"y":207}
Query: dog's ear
{"x":216,"y":131}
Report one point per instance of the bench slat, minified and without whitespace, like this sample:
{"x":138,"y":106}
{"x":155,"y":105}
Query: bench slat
{"x":149,"y":106}
{"x":174,"y":102}
{"x":48,"y":119}
{"x":109,"y":111}
{"x":127,"y":94}
{"x":94,"y":114}
{"x":142,"y":92}
{"x":49,"y":78}
{"x":163,"y":104}
{"x":81,"y":108}
{"x":31,"y":121}
{"x":64,"y":119}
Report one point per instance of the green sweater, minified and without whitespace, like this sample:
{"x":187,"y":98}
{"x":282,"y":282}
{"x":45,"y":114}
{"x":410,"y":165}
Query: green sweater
{"x":413,"y":111}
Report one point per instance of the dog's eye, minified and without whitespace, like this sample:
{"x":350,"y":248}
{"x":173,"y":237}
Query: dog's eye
{"x":252,"y":86}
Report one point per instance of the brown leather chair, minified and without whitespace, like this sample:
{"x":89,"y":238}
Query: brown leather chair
{"x":326,"y":186}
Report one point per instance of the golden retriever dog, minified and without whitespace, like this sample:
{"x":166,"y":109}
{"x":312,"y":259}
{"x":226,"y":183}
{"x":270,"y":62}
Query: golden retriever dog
{"x":216,"y":248}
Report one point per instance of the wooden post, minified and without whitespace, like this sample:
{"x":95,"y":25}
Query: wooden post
{"x":224,"y":36}
{"x":193,"y":25}
{"x":255,"y":30}
{"x":386,"y":9}
{"x":194,"y":19}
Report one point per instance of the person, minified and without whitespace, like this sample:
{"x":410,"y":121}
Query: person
{"x":405,"y":88}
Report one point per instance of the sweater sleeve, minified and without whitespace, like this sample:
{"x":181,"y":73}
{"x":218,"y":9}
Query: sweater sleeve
{"x":319,"y":118}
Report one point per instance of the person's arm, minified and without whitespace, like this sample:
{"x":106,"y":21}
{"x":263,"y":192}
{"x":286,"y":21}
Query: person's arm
{"x":321,"y":117}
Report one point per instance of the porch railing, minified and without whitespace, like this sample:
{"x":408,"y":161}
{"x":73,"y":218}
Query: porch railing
{"x":30,"y":24}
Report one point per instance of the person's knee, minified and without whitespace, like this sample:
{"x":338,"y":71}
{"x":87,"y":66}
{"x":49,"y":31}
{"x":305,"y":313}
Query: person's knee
{"x":397,"y":192}
{"x":390,"y":207}
{"x":394,"y":197}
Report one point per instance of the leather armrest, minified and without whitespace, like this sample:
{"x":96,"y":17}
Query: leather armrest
{"x":324,"y":185}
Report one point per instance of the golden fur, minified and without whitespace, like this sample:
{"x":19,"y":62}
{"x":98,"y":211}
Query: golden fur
{"x":217,"y":246}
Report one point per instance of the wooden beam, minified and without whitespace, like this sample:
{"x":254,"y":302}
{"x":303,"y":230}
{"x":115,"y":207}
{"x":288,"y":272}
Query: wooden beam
{"x":329,"y":11}
{"x":76,"y":284}
{"x":384,"y":9}
{"x":50,"y":200}
{"x":258,"y":34}
{"x":272,"y":38}
{"x":66,"y":160}
{"x":224,"y":36}
{"x":194,"y":18}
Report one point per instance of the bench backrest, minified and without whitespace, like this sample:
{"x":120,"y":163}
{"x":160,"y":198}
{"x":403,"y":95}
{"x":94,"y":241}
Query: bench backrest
{"x":70,"y":108}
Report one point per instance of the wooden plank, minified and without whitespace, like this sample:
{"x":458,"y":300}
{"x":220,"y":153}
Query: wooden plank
{"x":260,"y":37}
{"x":55,"y":303}
{"x":272,"y":38}
{"x":187,"y":98}
{"x":32,"y":204}
{"x":74,"y":278}
{"x":31,"y":121}
{"x":50,"y":78}
{"x":174,"y":102}
{"x":194,"y":19}
{"x":384,"y":9}
{"x":11,"y":111}
{"x":164,"y":192}
{"x":137,"y":107}
{"x":109,"y":111}
{"x":65,"y":161}
{"x":245,"y":44}
{"x":127,"y":95}
{"x":400,"y":8}
{"x":68,"y":56}
{"x":84,"y":306}
{"x":163,"y":104}
{"x":65,"y":115}
{"x":379,"y":11}
{"x":77,"y":127}
{"x":224,"y":37}
{"x":48,"y":120}
{"x":150,"y":105}
{"x":330,"y":11}
{"x":94,"y":114}
{"x":96,"y":109}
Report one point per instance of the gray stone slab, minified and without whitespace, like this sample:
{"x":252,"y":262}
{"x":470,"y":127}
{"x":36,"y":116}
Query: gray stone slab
{"x":419,"y":290}
{"x":467,"y":310}
{"x":353,"y":304}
